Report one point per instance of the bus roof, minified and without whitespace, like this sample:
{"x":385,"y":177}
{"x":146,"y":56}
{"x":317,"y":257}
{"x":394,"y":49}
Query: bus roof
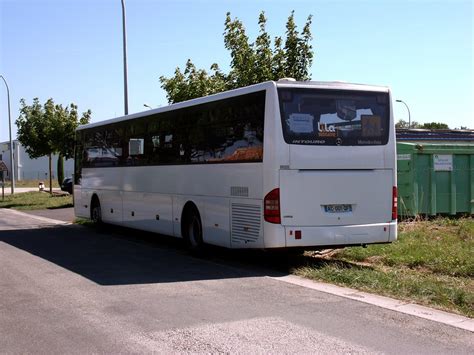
{"x":283,"y":83}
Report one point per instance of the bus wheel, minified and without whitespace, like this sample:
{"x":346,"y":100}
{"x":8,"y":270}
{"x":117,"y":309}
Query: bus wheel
{"x":96,"y":212}
{"x":193,"y":230}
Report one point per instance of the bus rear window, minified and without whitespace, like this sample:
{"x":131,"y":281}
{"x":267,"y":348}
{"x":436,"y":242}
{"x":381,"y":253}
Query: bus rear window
{"x":334,"y":117}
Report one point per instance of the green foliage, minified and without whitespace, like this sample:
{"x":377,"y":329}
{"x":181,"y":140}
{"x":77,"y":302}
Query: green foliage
{"x":435,"y":125}
{"x":442,"y":246}
{"x":404,"y":124}
{"x":401,"y":124}
{"x":414,"y":124}
{"x":36,"y":201}
{"x":431,"y":262}
{"x":193,"y":83}
{"x":298,"y":49}
{"x":443,"y":292}
{"x":34,"y":128}
{"x":48,"y":129}
{"x":251,"y":63}
{"x":263,"y":53}
{"x":242,"y":53}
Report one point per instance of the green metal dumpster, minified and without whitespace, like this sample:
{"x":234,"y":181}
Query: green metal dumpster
{"x":435,"y":178}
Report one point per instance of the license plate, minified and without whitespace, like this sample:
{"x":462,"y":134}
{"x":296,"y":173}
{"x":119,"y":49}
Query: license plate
{"x":337,"y":208}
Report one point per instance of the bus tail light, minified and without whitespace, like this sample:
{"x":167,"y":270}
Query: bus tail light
{"x":394,"y":203}
{"x":271,"y":205}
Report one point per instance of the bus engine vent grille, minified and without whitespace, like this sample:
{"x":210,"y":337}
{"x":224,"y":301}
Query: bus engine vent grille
{"x":246,"y":221}
{"x":239,"y":191}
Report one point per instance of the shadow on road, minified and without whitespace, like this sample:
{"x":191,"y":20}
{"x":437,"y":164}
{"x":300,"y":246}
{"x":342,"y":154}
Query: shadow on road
{"x":123,"y":256}
{"x":113,"y":255}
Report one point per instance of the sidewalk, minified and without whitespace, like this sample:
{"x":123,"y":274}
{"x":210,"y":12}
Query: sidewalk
{"x":19,"y":190}
{"x":59,"y":214}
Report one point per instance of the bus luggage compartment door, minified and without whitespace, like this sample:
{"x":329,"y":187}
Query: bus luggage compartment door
{"x":335,"y":197}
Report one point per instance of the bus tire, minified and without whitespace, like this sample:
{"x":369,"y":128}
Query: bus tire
{"x":96,"y":211}
{"x":193,"y":229}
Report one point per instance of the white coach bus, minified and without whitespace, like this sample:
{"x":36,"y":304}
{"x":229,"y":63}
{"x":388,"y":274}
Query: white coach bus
{"x":273,"y":165}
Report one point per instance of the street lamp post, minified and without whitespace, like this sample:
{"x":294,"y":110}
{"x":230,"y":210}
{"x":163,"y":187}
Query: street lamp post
{"x":11,"y":141}
{"x":125,"y":84}
{"x":409,"y":116}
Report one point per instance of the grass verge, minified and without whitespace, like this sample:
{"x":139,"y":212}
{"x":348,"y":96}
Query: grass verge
{"x":36,"y":201}
{"x":84,"y":222}
{"x":431,"y":263}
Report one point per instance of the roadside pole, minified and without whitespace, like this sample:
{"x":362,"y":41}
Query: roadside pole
{"x":3,"y":168}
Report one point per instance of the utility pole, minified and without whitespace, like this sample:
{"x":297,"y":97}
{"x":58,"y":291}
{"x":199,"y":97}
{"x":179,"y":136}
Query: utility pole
{"x":409,"y":116}
{"x":125,"y":84}
{"x":12,"y":170}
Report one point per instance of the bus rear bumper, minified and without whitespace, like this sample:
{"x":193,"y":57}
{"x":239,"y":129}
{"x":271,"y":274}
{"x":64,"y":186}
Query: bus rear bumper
{"x":340,"y":235}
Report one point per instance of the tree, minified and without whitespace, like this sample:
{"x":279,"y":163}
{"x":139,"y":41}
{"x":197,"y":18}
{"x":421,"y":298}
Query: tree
{"x":432,"y":125}
{"x":435,"y":125}
{"x":402,"y":124}
{"x":299,"y":55}
{"x":193,"y":83}
{"x":49,"y":129}
{"x":251,"y":63}
{"x":60,"y":169}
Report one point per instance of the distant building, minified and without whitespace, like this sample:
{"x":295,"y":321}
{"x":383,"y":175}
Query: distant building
{"x":31,"y":169}
{"x":446,"y":135}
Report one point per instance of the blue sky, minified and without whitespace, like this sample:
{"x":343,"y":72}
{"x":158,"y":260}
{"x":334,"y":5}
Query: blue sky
{"x":71,"y":50}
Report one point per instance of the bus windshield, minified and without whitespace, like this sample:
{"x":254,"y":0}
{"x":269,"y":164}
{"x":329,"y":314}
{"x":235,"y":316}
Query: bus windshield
{"x":335,"y":117}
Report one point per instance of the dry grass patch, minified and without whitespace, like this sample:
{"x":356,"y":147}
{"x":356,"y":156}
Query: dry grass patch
{"x":432,"y":263}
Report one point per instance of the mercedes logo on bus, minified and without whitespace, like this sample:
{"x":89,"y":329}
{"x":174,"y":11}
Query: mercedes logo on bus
{"x":338,"y":141}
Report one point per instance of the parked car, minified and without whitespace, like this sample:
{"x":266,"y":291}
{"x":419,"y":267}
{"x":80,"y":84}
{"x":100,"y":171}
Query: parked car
{"x":67,"y":185}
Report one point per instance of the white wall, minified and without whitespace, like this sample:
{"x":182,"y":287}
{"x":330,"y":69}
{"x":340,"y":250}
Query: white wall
{"x":31,"y":169}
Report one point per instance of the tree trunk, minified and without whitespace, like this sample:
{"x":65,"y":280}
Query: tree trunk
{"x":50,"y":175}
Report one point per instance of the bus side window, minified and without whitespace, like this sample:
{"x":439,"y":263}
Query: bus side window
{"x":78,"y":158}
{"x":135,"y":138}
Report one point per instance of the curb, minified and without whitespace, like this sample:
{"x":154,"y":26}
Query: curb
{"x":435,"y":315}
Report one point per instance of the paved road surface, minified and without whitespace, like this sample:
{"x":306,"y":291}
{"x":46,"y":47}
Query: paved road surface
{"x":61,"y":214}
{"x":72,"y":289}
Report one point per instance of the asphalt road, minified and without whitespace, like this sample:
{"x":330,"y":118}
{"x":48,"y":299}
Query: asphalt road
{"x":61,"y":214}
{"x":74,"y":289}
